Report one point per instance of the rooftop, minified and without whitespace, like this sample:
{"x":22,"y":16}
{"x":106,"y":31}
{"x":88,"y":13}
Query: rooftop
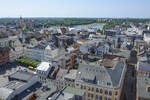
{"x":38,"y":47}
{"x":63,"y":37}
{"x":143,"y":67}
{"x":14,"y":85}
{"x":71,"y":74}
{"x":43,"y":95}
{"x":9,"y":88}
{"x":64,"y":96}
{"x":23,"y":76}
{"x":143,"y":82}
{"x":103,"y":76}
{"x":74,"y":91}
{"x":61,"y":73}
{"x":44,"y":66}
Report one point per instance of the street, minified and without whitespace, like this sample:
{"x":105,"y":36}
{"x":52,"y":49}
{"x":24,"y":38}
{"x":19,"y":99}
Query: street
{"x":130,"y":83}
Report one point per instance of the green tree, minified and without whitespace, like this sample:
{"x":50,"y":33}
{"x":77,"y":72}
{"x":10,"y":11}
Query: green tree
{"x":100,"y":31}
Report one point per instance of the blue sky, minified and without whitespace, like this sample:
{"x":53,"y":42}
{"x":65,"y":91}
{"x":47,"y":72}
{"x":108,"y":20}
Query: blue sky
{"x":75,"y":8}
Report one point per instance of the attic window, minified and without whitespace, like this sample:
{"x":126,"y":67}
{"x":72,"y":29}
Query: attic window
{"x":93,"y":70}
{"x":148,"y":88}
{"x":87,"y":69}
{"x":108,"y":84}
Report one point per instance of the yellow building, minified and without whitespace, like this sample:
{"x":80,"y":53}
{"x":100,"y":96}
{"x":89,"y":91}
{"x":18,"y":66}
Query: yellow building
{"x":101,"y":82}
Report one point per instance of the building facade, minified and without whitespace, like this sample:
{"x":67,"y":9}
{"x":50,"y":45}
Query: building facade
{"x":4,"y":56}
{"x":15,"y":46}
{"x":101,"y":83}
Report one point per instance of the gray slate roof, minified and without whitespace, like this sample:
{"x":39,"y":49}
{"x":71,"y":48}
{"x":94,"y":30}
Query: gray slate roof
{"x":23,"y":76}
{"x":105,"y":77}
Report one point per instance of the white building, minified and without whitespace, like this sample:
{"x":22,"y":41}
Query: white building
{"x":43,"y":70}
{"x":45,"y":54}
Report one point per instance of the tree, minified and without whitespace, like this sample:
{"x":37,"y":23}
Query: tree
{"x":27,"y":62}
{"x":100,"y":31}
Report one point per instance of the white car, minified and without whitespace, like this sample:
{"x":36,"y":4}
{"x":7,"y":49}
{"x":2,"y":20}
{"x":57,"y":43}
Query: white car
{"x":28,"y":90}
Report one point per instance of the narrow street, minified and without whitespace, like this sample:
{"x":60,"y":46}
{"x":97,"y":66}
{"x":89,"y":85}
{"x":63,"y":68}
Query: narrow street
{"x":130,"y":83}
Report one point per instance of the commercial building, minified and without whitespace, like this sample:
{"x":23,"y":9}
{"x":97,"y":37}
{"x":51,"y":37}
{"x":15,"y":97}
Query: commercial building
{"x":18,"y":83}
{"x":43,"y":69}
{"x":42,"y":53}
{"x":101,"y":82}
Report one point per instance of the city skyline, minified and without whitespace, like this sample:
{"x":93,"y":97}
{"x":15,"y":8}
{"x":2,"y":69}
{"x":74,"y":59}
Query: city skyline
{"x":72,"y":8}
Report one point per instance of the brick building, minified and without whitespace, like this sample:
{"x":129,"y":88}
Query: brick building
{"x":4,"y":56}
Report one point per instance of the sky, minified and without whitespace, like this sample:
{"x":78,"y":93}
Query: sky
{"x":75,"y":8}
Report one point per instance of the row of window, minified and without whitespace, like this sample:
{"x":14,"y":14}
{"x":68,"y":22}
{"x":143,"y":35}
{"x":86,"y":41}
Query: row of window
{"x":98,"y":90}
{"x":65,"y":84}
{"x":90,"y":95}
{"x":106,"y":92}
{"x":41,"y":72}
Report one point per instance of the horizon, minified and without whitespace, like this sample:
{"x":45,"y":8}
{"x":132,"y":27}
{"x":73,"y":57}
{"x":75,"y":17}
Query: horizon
{"x":76,"y":17}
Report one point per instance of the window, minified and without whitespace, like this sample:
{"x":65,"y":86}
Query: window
{"x":77,"y":84}
{"x":97,"y":90}
{"x":92,"y":88}
{"x":105,"y":98}
{"x":110,"y":93}
{"x":87,"y":69}
{"x":96,"y":96}
{"x":91,"y":95}
{"x":81,"y":87}
{"x":89,"y":89}
{"x":109,"y":98}
{"x":116,"y":93}
{"x":93,"y":70}
{"x":88,"y":94}
{"x":101,"y":91}
{"x":100,"y":98}
{"x":84,"y":87}
{"x":106,"y":92}
{"x":108,"y":84}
